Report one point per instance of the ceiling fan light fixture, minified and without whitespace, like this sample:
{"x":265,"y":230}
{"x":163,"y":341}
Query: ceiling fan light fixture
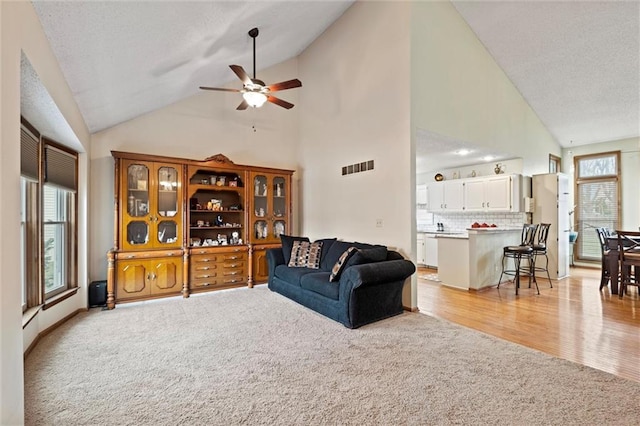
{"x":255,"y":99}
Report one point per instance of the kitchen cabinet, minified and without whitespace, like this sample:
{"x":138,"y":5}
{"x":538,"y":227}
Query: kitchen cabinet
{"x":496,"y":193}
{"x":431,"y":250}
{"x":421,"y":195}
{"x":446,"y":196}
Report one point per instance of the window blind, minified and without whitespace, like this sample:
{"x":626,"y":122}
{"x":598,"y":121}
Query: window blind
{"x":28,"y":154}
{"x":60,"y":167}
{"x":598,"y":207}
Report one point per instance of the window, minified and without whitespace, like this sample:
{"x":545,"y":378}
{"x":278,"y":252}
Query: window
{"x":597,"y":199}
{"x":56,"y":238}
{"x":555,"y":164}
{"x":48,"y":218}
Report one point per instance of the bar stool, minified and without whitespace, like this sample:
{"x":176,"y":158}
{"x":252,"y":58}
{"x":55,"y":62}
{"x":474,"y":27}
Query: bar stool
{"x":540,"y":249}
{"x":517,"y":253}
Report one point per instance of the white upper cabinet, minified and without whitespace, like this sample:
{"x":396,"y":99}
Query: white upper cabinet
{"x":446,"y":196}
{"x":421,"y":194}
{"x":500,"y":193}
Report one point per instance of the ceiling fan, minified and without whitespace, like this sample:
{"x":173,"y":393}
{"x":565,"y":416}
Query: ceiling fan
{"x":255,"y":92}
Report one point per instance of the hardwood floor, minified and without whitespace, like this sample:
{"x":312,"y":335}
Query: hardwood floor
{"x":572,"y":320}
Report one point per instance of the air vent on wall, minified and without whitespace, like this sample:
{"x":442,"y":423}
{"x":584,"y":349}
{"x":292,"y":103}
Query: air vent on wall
{"x":357,"y":168}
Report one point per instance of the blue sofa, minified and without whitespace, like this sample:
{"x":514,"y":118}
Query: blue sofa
{"x":369,"y":288}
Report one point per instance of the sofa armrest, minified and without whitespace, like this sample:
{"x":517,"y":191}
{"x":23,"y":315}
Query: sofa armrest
{"x":274,"y":258}
{"x":377,"y":273}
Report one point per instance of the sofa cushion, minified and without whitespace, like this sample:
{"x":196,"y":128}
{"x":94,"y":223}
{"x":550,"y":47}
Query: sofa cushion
{"x":341,"y":264}
{"x":333,"y":254}
{"x":374,"y":253}
{"x":305,"y":254}
{"x":318,"y":282}
{"x":326,"y":245}
{"x":292,"y":275}
{"x":287,"y":245}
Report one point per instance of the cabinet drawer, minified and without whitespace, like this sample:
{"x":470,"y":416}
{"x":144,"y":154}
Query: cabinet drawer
{"x":233,"y":264}
{"x":233,"y":256}
{"x":203,"y":282}
{"x":203,"y":259}
{"x":232,"y":280}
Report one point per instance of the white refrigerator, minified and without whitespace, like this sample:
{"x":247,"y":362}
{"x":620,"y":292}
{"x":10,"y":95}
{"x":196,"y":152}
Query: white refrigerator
{"x":551,"y":205}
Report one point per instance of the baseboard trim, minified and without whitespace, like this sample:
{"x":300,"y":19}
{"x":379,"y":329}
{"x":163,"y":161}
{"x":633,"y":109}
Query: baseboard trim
{"x":49,"y":330}
{"x":406,"y":308}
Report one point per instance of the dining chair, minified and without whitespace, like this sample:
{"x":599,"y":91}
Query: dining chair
{"x":540,"y":249}
{"x":605,"y":275}
{"x":629,"y":249}
{"x":518,"y":253}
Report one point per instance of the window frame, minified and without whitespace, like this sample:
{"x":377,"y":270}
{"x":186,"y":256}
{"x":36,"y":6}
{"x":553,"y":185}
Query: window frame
{"x":33,"y":225}
{"x":617,"y":178}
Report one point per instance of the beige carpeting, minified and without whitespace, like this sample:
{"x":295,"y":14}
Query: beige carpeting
{"x":249,"y":356}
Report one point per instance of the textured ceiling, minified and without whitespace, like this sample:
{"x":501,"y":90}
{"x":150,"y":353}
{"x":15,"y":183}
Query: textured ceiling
{"x":576,"y":63}
{"x":124,"y":59}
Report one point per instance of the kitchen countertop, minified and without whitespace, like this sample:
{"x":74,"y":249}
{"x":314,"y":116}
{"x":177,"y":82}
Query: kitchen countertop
{"x":497,"y":229}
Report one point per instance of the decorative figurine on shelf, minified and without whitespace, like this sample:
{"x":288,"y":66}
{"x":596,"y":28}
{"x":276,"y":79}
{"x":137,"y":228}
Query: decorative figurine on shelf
{"x":261,"y":212}
{"x":278,"y":190}
{"x":234,"y":182}
{"x":257,"y":188}
{"x":218,"y":221}
{"x":264,"y":189}
{"x":499,"y":168}
{"x":235,"y":237}
{"x":222,"y":180}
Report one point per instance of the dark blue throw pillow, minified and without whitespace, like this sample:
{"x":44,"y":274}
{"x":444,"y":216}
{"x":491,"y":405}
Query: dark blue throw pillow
{"x":287,"y":245}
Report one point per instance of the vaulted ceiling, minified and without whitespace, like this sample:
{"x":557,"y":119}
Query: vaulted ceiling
{"x":576,"y":63}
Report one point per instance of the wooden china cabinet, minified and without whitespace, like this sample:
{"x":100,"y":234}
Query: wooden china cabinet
{"x":185,"y":226}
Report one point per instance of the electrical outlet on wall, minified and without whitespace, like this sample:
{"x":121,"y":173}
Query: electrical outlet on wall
{"x":378,"y":223}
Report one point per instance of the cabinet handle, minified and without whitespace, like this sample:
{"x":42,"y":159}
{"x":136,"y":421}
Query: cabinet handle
{"x":206,"y":268}
{"x":130,"y":256}
{"x":148,"y":277}
{"x":233,"y":265}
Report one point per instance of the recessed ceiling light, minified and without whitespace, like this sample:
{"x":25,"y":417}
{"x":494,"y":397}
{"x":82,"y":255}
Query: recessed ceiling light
{"x":463,"y":152}
{"x":487,"y":158}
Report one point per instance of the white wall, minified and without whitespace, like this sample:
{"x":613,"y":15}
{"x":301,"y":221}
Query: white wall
{"x":197,"y":127}
{"x":356,"y":108}
{"x":630,"y":168}
{"x":460,"y":92}
{"x":20,"y":30}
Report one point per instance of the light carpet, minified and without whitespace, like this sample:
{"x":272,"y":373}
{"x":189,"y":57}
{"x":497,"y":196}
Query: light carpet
{"x":250,"y":356}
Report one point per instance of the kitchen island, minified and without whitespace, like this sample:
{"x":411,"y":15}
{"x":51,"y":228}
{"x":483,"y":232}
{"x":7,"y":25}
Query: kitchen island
{"x":473,"y":260}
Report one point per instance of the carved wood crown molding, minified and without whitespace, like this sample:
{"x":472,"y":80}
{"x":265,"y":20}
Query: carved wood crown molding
{"x":219,"y":158}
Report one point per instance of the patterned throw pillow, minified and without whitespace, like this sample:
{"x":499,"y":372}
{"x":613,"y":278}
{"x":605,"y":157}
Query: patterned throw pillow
{"x":305,"y":254}
{"x":341,"y":264}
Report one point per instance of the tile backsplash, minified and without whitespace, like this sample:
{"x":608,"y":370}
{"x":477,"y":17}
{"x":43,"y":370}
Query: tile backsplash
{"x":462,"y":221}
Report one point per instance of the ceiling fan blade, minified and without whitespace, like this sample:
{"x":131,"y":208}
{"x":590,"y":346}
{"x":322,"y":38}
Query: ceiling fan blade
{"x":284,"y":85}
{"x":243,"y":105}
{"x":221,"y":89}
{"x":280,"y":102}
{"x":242,"y":75}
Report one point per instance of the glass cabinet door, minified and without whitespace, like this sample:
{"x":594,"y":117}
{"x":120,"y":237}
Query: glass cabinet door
{"x":167,"y":205}
{"x":270,"y":207}
{"x":261,"y":228}
{"x":279,"y":206}
{"x":137,"y":204}
{"x":151,"y":214}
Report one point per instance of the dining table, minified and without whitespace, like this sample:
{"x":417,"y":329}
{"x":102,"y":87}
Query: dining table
{"x":614,"y":262}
